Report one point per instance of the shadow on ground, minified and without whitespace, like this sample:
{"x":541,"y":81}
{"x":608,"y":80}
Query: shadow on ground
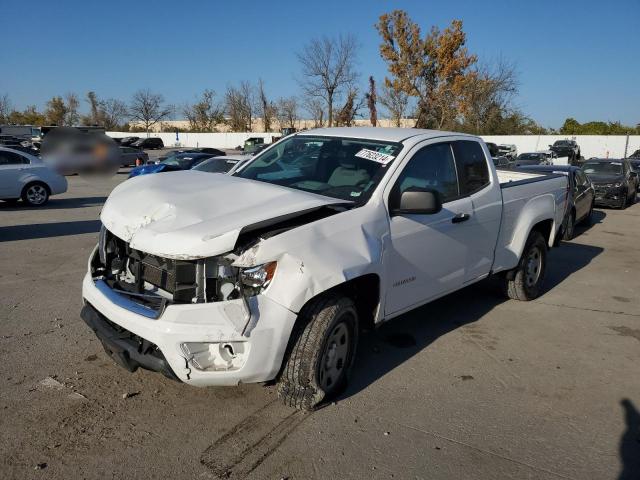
{"x":630,"y":442}
{"x":47,"y":230}
{"x":395,"y":342}
{"x":55,"y":204}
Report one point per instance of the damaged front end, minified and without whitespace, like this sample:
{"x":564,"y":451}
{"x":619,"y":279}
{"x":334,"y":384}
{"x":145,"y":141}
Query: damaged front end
{"x":152,"y":282}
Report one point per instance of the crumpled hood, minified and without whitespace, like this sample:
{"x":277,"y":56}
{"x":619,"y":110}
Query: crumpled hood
{"x":191,"y":214}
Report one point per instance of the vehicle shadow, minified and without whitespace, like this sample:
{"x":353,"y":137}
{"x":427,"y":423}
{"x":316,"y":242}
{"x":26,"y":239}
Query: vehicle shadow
{"x":630,"y":442}
{"x":47,"y":230}
{"x":56,"y":204}
{"x":396,"y":341}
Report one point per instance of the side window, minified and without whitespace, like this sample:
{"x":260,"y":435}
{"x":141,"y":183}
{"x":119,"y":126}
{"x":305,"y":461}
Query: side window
{"x":472,"y":166}
{"x":430,"y":168}
{"x":10,"y":158}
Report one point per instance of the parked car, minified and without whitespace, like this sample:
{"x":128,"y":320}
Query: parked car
{"x":533,"y":158}
{"x":148,"y":143}
{"x":127,"y":141}
{"x":634,"y":163}
{"x":226,"y":164}
{"x":615,"y":182}
{"x":501,"y":162}
{"x":581,"y":199}
{"x":180,"y":161}
{"x":493,"y":149}
{"x":214,"y":152}
{"x":133,"y":156}
{"x":27,"y":177}
{"x":508,"y":150}
{"x":635,"y":154}
{"x":269,"y":273}
{"x":566,"y":148}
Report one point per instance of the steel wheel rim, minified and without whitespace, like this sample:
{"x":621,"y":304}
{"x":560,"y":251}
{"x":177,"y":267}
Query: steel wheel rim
{"x":36,"y":194}
{"x":335,"y":356}
{"x":533,"y":266}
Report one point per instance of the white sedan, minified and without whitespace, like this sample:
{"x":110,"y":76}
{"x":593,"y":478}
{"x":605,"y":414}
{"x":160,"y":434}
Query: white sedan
{"x":28,"y":177}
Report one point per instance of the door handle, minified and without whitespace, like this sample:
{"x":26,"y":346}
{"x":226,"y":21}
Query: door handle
{"x":460,"y":217}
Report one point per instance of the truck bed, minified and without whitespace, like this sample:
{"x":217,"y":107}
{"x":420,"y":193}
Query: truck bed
{"x":526,"y":195}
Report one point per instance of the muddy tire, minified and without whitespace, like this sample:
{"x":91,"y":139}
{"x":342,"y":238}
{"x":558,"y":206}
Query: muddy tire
{"x":320,"y":353}
{"x":525,"y":281}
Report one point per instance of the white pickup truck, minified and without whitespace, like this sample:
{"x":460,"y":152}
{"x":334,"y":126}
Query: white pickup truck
{"x":269,"y":274}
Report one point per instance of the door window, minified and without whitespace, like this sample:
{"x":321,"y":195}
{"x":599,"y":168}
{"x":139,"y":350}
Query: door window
{"x":430,"y":168}
{"x":10,"y":158}
{"x":471,"y":165}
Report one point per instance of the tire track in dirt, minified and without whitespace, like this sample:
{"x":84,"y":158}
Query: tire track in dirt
{"x":249,"y":443}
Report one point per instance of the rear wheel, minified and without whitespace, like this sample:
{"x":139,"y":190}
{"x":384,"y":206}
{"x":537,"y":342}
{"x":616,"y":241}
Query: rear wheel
{"x":321,"y":352}
{"x":35,"y":194}
{"x":569,"y":228}
{"x":525,"y":281}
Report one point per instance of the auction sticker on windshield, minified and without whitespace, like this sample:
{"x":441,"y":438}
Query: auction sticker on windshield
{"x":379,"y":157}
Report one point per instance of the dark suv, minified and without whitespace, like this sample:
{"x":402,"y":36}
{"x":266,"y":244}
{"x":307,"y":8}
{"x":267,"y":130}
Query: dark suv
{"x":566,"y":148}
{"x":148,"y":143}
{"x":614,"y":180}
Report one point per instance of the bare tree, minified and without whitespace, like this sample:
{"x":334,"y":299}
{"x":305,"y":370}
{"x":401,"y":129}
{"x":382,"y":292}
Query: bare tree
{"x":113,"y":113}
{"x":347,"y":114}
{"x":328,"y":68}
{"x":287,"y":111}
{"x":396,"y":102}
{"x":148,"y":108}
{"x":72,"y":117}
{"x":5,"y":108}
{"x":264,"y":108}
{"x":239,"y":107}
{"x":205,"y":114}
{"x":94,"y":110}
{"x":315,"y":108}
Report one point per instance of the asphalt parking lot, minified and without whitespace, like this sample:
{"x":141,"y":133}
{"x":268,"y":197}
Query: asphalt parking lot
{"x":471,"y":386}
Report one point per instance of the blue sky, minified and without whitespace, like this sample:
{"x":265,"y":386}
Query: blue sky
{"x":574,"y":58}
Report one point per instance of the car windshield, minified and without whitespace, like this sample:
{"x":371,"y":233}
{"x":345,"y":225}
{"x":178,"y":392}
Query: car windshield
{"x":344,"y":168}
{"x":604,"y":168}
{"x":562,"y":143}
{"x":216,"y":165}
{"x":181,"y":160}
{"x":529,"y":156}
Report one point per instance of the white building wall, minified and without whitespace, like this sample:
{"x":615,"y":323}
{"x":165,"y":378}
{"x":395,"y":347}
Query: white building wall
{"x":604,"y":146}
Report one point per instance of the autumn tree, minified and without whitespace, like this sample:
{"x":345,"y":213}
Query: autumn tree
{"x":148,"y":108}
{"x":372,"y":98}
{"x":328,"y":69}
{"x":72,"y":117}
{"x":56,"y":111}
{"x":239,"y":107}
{"x":287,"y":112}
{"x":347,"y":114}
{"x":432,"y":69}
{"x":264,"y":108}
{"x":205,"y":114}
{"x":29,"y":116}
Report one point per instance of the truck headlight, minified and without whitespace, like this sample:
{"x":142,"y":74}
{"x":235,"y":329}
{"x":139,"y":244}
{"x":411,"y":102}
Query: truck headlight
{"x":259,"y":277}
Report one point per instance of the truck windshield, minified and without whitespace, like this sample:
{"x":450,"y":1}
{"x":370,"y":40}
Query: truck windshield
{"x":344,"y":168}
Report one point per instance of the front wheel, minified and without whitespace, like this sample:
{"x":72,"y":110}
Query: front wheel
{"x":525,"y":281}
{"x":320,"y":353}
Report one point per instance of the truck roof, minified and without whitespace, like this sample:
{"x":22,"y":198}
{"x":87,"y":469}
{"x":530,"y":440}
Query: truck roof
{"x":380,"y":133}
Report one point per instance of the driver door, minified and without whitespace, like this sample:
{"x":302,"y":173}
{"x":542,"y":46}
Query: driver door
{"x":427,"y":254}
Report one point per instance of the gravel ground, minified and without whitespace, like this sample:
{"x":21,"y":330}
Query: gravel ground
{"x":471,"y":386}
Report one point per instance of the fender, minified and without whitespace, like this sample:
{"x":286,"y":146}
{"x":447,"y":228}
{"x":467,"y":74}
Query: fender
{"x":534,"y":211}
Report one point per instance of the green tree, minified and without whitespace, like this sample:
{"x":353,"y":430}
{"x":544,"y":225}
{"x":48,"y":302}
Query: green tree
{"x":56,"y":111}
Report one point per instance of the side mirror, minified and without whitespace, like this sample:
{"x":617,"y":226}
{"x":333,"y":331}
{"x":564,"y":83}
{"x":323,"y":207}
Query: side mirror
{"x":417,"y":202}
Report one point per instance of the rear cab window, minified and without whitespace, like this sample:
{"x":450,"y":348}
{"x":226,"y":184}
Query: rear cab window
{"x":471,"y":163}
